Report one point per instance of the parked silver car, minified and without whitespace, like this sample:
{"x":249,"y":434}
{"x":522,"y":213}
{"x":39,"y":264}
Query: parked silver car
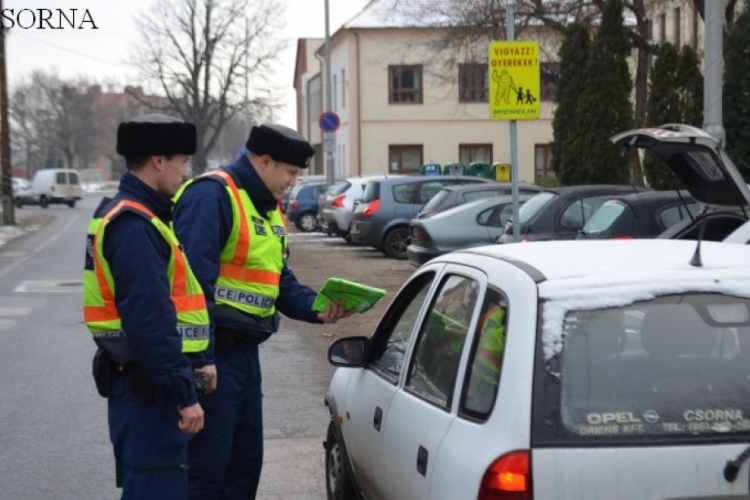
{"x":337,"y":204}
{"x":479,"y":222}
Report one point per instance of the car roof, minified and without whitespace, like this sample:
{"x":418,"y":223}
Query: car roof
{"x":421,"y":178}
{"x":585,"y":188}
{"x":484,"y":186}
{"x":604,"y":261}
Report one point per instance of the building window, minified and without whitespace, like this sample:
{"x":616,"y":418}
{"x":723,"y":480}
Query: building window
{"x":548,"y":80}
{"x":473,"y":85}
{"x":343,"y":88}
{"x":662,"y":28}
{"x":677,"y":33}
{"x":314,"y":103}
{"x":542,"y":163}
{"x":405,"y":84}
{"x":335,"y":93}
{"x":695,"y":28}
{"x":405,"y":159}
{"x":469,"y":153}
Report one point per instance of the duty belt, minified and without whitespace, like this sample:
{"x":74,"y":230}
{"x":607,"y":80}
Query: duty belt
{"x":243,"y":297}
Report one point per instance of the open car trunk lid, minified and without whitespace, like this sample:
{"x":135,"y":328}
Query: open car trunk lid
{"x":696,"y":158}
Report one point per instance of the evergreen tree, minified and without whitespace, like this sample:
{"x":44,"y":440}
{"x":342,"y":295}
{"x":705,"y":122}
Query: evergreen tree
{"x":569,"y":100}
{"x":664,"y":106}
{"x":737,"y":92}
{"x":607,"y":105}
{"x":690,"y":80}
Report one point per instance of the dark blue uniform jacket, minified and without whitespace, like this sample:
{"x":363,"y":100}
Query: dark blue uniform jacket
{"x":138,"y":256}
{"x":203,"y":222}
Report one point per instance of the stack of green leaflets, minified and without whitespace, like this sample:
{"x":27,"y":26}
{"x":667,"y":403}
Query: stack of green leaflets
{"x":355,"y":295}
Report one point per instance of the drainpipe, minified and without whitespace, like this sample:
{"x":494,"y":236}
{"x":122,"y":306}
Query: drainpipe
{"x":359,"y":108}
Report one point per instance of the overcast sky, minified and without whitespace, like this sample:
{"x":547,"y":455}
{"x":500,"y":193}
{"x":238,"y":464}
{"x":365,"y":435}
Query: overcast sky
{"x":101,"y":54}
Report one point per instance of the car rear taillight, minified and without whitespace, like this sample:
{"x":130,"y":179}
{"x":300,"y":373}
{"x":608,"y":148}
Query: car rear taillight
{"x":339,"y":201}
{"x":294,"y":205}
{"x":420,"y":234}
{"x":623,"y":237}
{"x":372,"y":208}
{"x":508,"y":478}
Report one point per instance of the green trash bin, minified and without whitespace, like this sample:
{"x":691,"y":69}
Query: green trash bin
{"x":430,"y":169}
{"x":480,"y":169}
{"x":454,"y":169}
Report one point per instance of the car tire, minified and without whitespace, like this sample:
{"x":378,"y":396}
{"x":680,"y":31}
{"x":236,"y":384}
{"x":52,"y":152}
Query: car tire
{"x":306,"y":222}
{"x":339,"y":485}
{"x":43,"y":201}
{"x":395,"y":242}
{"x":72,"y":203}
{"x":18,"y":202}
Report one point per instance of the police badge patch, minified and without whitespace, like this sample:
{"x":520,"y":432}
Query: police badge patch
{"x":260,"y":230}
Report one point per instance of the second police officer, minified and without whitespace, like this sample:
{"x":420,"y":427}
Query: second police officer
{"x":235,"y":236}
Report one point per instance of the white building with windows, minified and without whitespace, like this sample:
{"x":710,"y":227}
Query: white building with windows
{"x":401,"y":107}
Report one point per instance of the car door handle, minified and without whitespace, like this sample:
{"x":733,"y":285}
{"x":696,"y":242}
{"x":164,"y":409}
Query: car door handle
{"x":378,"y":418}
{"x":422,"y":456}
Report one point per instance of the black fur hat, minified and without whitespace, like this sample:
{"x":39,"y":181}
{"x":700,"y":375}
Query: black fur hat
{"x":156,"y":134}
{"x":280,"y":143}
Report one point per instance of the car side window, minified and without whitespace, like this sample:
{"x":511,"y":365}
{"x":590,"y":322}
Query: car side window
{"x":486,"y":359}
{"x":398,"y":327}
{"x":405,"y":193}
{"x":434,"y":364}
{"x":61,"y":178}
{"x":577,"y":213}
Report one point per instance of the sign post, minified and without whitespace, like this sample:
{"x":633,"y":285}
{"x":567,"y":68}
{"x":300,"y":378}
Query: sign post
{"x":514,"y":92}
{"x":329,"y":122}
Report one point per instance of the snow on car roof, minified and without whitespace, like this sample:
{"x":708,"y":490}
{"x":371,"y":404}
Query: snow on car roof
{"x":587,"y":275}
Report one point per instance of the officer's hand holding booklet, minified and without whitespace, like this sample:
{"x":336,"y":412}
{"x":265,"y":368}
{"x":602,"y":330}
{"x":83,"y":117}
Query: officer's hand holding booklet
{"x":354,"y":295}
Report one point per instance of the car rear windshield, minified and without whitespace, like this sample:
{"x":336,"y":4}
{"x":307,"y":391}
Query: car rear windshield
{"x":534,"y":205}
{"x":604,"y":217}
{"x":674,"y":368}
{"x":338,"y":188}
{"x":436,"y":202}
{"x":372,"y":192}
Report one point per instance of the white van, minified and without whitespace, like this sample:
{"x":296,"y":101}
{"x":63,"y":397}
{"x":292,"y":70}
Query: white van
{"x":55,"y":185}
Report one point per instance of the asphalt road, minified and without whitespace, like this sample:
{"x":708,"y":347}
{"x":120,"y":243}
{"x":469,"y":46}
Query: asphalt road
{"x":53,"y":434}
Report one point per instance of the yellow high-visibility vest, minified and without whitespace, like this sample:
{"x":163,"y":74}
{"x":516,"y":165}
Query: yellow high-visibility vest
{"x":253,"y":257}
{"x":99,"y":309}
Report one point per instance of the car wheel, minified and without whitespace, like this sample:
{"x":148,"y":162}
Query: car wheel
{"x":43,"y":201}
{"x":306,"y":222}
{"x":339,"y":485}
{"x":396,"y":241}
{"x":18,"y":202}
{"x":72,"y":203}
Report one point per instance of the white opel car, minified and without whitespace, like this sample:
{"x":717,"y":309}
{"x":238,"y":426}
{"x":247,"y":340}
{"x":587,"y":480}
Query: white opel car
{"x":608,"y":370}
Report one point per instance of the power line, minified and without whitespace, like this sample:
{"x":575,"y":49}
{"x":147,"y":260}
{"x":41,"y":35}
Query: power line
{"x":80,"y":54}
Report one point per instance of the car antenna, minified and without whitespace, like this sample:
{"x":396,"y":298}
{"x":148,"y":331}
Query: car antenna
{"x":696,"y":261}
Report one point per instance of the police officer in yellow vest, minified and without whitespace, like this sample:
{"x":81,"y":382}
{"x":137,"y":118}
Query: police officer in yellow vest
{"x":147,"y":313}
{"x":236,"y":238}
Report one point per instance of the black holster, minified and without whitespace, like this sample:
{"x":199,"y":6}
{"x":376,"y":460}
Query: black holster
{"x":102,"y":371}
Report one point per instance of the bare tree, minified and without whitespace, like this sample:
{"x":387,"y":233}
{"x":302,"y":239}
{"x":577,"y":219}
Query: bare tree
{"x":211,"y":59}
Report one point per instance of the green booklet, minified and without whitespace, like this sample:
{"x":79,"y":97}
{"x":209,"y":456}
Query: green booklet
{"x":355,"y":295}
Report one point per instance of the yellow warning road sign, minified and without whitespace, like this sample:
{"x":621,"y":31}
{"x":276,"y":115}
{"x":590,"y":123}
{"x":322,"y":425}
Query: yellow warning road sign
{"x":514,"y":80}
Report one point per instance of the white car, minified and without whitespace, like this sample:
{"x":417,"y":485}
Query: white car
{"x":607,"y":370}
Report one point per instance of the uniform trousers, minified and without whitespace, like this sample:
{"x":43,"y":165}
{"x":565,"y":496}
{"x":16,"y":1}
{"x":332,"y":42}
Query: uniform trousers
{"x":226,"y":457}
{"x":150,"y":449}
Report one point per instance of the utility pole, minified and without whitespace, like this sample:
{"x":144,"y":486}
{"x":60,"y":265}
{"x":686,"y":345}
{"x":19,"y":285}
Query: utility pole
{"x":5,"y":187}
{"x":714,"y":71}
{"x":510,"y":21}
{"x":329,"y":138}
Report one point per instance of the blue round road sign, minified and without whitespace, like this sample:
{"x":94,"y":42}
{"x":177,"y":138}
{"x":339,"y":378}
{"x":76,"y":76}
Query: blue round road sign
{"x":329,"y":122}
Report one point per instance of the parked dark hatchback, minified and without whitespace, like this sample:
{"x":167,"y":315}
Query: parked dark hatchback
{"x":303,"y":205}
{"x":639,"y":215}
{"x":559,"y":213}
{"x":450,"y":196}
{"x":381,"y":220}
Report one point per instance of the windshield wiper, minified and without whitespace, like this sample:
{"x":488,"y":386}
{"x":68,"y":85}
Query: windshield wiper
{"x":733,"y":466}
